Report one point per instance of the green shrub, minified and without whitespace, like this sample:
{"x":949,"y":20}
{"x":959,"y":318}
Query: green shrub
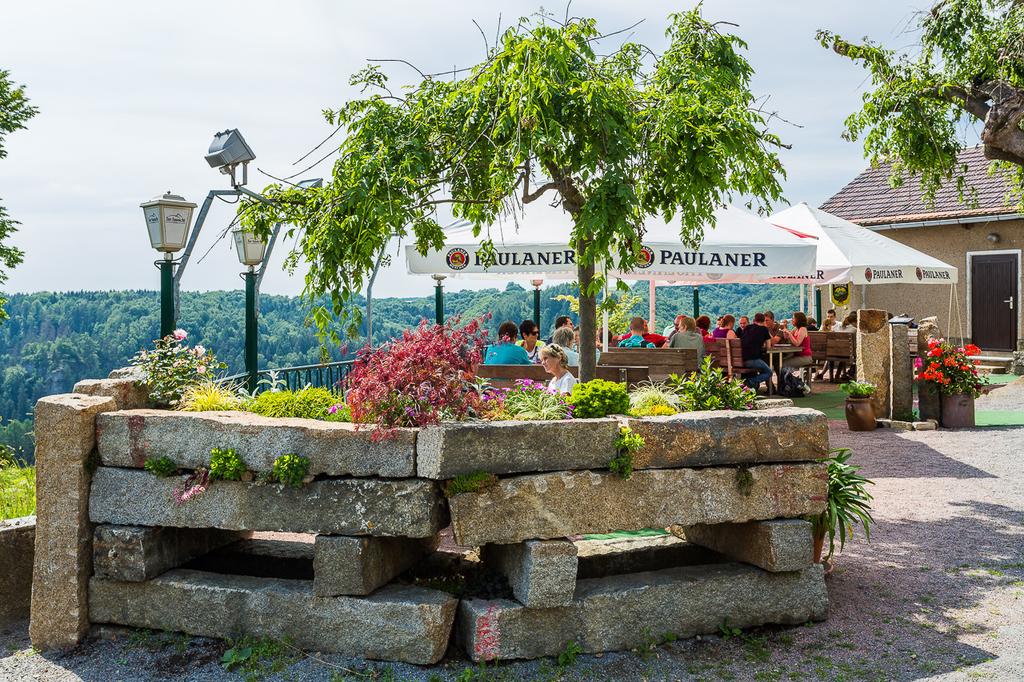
{"x":290,"y":470}
{"x":653,"y":411}
{"x":627,"y":444}
{"x":710,"y":389}
{"x":226,"y":465}
{"x":161,"y":466}
{"x":469,"y":483}
{"x":308,"y":403}
{"x":859,"y":389}
{"x":599,"y":398}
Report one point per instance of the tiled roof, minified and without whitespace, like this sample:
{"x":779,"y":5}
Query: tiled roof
{"x":869,"y":200}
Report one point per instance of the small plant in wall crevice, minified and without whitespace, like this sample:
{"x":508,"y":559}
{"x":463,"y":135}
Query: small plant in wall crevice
{"x":160,"y":466}
{"x":226,"y":465}
{"x":195,"y":484}
{"x":291,"y":470}
{"x":627,"y":444}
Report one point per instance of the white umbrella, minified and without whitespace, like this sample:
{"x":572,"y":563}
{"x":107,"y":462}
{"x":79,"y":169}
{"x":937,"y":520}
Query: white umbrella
{"x":738,"y":247}
{"x":850,"y":253}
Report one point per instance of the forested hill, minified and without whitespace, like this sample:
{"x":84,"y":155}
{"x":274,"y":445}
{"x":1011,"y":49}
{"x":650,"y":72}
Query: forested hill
{"x":54,"y":339}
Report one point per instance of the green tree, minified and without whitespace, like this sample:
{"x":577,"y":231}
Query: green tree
{"x":968,"y":68}
{"x":612,"y":138}
{"x":14,"y":112}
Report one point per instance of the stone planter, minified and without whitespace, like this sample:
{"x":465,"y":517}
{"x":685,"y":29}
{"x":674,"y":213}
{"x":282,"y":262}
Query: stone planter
{"x":958,"y":411}
{"x":860,"y":414}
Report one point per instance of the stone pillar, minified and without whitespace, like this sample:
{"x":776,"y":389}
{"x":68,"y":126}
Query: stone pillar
{"x":357,"y":566}
{"x":901,"y":380}
{"x":874,"y":362}
{"x":65,"y":438}
{"x":929,"y":404}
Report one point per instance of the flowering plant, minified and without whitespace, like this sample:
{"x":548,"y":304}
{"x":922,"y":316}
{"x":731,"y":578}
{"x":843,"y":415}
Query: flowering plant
{"x":952,"y":369}
{"x":421,"y":378}
{"x":527,"y":399}
{"x":172,"y":367}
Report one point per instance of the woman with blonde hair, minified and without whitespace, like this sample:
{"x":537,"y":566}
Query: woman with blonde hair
{"x":556,"y":363}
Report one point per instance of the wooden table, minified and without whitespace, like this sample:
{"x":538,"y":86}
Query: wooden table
{"x":780,"y":350}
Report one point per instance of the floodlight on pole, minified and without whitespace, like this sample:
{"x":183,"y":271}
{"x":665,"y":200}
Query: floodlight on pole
{"x":168,"y":218}
{"x":229,"y":150}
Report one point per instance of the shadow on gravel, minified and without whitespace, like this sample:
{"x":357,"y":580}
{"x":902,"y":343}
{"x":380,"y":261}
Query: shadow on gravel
{"x":885,"y":453}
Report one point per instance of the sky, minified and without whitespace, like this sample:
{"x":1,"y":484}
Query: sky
{"x":131,"y":95}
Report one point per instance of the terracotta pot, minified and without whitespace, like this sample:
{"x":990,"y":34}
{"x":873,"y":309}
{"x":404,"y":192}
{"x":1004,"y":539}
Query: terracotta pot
{"x":860,"y":414}
{"x":958,"y":411}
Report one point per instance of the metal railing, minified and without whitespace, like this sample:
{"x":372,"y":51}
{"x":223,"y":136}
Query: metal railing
{"x":332,"y":375}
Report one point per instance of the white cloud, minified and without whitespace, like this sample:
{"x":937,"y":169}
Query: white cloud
{"x":130,"y":97}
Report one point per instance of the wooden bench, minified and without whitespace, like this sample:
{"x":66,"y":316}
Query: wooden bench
{"x":504,"y":376}
{"x":660,"y":362}
{"x":728,"y":354}
{"x":841,"y":347}
{"x":819,"y":346}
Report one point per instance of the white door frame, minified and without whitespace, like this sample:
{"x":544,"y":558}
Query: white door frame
{"x":1016,"y":302}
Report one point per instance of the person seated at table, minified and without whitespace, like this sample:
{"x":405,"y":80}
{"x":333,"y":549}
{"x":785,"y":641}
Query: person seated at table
{"x":755,"y":339}
{"x":703,"y":326}
{"x":830,"y":323}
{"x":566,"y":338}
{"x":773,"y":327}
{"x":636,"y":337}
{"x":530,"y":342}
{"x":798,"y":337}
{"x":744,"y":323}
{"x":724,"y":328}
{"x":687,"y":337}
{"x":675,"y":328}
{"x":560,"y":321}
{"x":505,"y":351}
{"x":848,"y":325}
{"x":812,"y":324}
{"x":556,"y":363}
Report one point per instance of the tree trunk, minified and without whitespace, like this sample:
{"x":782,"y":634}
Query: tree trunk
{"x":588,"y":322}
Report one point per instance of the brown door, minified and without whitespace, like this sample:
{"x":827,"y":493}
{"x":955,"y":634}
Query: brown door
{"x":994,"y":304}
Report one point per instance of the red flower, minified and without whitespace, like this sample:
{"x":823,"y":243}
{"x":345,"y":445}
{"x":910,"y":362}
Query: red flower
{"x":971,"y":349}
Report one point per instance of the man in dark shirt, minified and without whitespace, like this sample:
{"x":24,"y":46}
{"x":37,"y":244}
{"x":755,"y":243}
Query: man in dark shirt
{"x":753,"y":343}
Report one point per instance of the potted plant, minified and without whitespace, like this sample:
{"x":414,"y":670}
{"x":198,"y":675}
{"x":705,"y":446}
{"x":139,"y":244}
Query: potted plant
{"x":849,"y":505}
{"x":860,"y":413}
{"x":953,"y":371}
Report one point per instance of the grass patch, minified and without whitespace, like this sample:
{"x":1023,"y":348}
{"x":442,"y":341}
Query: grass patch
{"x":17,"y":491}
{"x":469,"y":483}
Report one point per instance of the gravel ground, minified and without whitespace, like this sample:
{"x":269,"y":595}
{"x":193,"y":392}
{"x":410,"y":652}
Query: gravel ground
{"x":939,"y":593}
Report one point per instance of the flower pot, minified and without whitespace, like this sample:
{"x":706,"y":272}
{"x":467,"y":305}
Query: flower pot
{"x":958,"y":411}
{"x":860,"y":414}
{"x":929,"y":402}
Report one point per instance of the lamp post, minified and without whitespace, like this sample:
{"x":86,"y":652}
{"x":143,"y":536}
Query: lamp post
{"x":696,"y":302}
{"x":536,"y":300}
{"x":250,"y":254}
{"x":168,"y":218}
{"x":439,"y":298}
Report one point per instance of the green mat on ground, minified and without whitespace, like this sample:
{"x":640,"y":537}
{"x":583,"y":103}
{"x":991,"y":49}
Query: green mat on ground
{"x":645,"y":533}
{"x":999,"y":417}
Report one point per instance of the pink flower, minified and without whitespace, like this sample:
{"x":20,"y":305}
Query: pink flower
{"x":180,"y":334}
{"x":201,"y":369}
{"x":199,"y":350}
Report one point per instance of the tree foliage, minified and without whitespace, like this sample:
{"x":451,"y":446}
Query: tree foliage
{"x":14,"y":112}
{"x":968,"y":69}
{"x":610,"y":137}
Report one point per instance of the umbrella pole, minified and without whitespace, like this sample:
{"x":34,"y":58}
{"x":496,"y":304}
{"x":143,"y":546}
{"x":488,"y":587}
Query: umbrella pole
{"x":651,"y":306}
{"x":696,"y":301}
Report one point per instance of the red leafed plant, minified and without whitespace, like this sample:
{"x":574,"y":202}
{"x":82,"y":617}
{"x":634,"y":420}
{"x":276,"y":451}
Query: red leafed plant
{"x":421,"y":378}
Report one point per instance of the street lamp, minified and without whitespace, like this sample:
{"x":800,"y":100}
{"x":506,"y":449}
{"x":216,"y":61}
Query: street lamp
{"x":168,"y":218}
{"x":536,"y":300}
{"x":251,"y":250}
{"x":439,"y":298}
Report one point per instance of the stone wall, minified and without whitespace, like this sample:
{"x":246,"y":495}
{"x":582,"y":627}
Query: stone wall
{"x":364,"y":583}
{"x":17,"y":539}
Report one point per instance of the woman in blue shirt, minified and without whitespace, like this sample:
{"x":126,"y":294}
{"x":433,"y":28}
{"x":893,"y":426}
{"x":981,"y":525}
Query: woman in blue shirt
{"x":505,"y":351}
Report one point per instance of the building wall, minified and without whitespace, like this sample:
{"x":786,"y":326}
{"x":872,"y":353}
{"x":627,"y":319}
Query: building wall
{"x":950,"y":244}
